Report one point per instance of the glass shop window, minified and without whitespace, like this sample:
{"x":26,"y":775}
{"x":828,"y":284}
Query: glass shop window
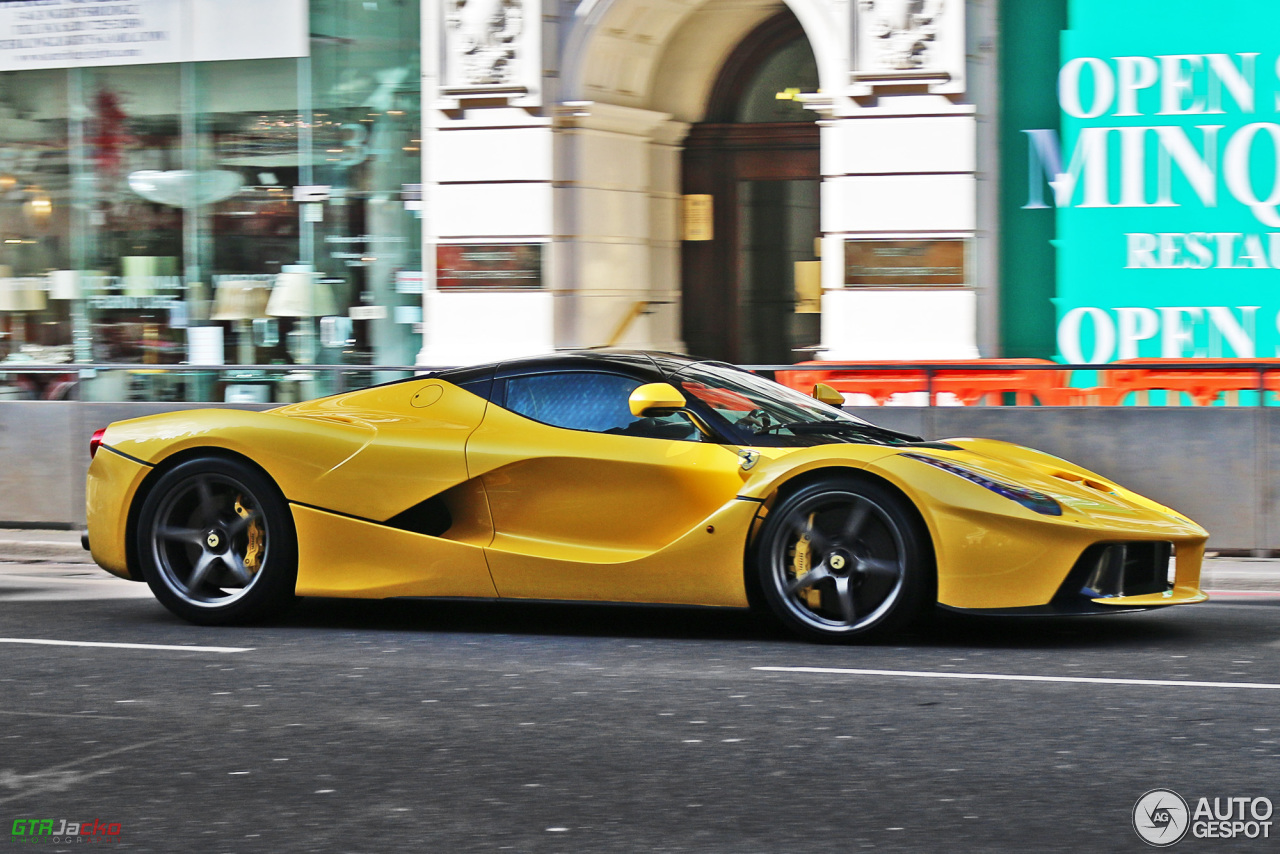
{"x":253,"y":212}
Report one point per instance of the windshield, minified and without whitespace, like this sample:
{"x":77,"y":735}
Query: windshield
{"x":762,"y":412}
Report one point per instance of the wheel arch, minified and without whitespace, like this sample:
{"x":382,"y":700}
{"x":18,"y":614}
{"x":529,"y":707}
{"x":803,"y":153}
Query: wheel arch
{"x":158,"y":471}
{"x":783,"y":487}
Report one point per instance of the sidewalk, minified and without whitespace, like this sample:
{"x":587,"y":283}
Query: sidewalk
{"x":30,"y":545}
{"x":24,"y":545}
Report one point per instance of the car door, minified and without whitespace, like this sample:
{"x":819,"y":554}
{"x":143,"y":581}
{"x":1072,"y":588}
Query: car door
{"x":582,"y":493}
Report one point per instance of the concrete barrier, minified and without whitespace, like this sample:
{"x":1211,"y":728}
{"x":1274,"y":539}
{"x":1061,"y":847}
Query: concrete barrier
{"x":1215,"y":464}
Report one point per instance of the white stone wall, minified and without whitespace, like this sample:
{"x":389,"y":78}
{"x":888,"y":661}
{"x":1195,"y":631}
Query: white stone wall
{"x":902,"y":170}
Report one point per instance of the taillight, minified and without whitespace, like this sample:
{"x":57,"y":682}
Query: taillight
{"x":96,"y":440}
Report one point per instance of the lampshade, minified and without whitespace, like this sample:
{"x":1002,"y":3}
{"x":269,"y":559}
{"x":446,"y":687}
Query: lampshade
{"x":182,"y":188}
{"x":145,"y":274}
{"x":21,"y":294}
{"x":64,"y":284}
{"x":299,"y":294}
{"x":240,"y":300}
{"x":10,"y":297}
{"x":34,"y":293}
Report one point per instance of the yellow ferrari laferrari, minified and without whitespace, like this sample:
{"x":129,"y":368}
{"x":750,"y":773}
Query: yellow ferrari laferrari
{"x":618,"y":477}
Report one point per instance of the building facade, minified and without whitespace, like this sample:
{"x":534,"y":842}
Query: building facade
{"x":391,"y":182}
{"x":760,"y":182}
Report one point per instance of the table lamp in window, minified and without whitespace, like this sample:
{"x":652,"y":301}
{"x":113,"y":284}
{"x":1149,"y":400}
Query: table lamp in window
{"x":299,"y":293}
{"x":241,"y":302}
{"x":18,"y":296}
{"x":72,"y":287}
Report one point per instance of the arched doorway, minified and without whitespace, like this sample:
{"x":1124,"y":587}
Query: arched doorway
{"x":757,"y":156}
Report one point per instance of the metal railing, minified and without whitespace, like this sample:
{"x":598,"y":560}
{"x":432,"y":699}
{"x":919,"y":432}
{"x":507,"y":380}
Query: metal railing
{"x":1263,"y":377}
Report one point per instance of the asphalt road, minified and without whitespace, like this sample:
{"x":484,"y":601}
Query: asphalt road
{"x":457,"y":727}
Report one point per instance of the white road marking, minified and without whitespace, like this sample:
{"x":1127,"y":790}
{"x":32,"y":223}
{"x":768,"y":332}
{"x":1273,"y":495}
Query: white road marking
{"x":175,"y":647}
{"x":1009,"y":677}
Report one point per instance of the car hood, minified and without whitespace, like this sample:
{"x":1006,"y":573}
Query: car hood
{"x":1082,"y":493}
{"x":1071,"y":485}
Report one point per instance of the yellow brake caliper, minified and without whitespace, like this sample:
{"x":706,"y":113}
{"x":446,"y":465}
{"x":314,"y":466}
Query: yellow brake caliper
{"x":253,"y":551}
{"x":801,"y":563}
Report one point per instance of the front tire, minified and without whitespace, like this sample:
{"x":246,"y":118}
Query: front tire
{"x":216,"y":543}
{"x":844,"y":559}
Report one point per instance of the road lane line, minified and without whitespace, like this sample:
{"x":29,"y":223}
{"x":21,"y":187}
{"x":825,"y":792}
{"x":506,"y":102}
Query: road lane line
{"x":47,"y":642}
{"x":1008,"y":677}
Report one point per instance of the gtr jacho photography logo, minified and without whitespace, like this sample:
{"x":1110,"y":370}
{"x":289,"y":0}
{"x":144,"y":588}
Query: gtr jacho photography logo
{"x":63,"y":831}
{"x":1162,"y":817}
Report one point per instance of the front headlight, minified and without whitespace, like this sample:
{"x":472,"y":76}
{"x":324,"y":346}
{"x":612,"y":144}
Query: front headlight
{"x":1027,"y":497}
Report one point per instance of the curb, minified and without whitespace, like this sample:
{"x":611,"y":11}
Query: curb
{"x":28,"y":546}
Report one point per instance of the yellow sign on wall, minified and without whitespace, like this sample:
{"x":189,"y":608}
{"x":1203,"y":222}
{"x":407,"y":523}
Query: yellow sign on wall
{"x":696,"y":217}
{"x":808,"y":287}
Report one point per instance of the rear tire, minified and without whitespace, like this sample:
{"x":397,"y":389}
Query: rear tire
{"x":844,"y":559}
{"x":216,"y":543}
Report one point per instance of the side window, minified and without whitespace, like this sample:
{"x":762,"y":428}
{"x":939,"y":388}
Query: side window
{"x":480,"y":386}
{"x":590,"y":401}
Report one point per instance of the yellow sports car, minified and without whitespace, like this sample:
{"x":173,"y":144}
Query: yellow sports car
{"x":617,"y":477}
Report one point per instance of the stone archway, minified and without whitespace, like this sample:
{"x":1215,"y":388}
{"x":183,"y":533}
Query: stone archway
{"x":634,"y":75}
{"x":627,"y":52}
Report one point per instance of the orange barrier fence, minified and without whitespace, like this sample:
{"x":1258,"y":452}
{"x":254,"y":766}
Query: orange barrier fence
{"x":882,"y":380}
{"x":1029,"y":382}
{"x":1192,"y":377}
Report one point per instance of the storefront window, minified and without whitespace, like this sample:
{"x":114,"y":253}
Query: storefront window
{"x":260,"y":212}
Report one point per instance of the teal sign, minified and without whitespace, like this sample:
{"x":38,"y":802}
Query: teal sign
{"x":1165,"y":177}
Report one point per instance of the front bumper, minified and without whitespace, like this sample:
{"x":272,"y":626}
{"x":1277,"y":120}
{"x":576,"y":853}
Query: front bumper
{"x":1109,"y":578}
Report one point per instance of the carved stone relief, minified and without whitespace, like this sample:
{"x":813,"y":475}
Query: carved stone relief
{"x":899,"y":35}
{"x":483,"y":38}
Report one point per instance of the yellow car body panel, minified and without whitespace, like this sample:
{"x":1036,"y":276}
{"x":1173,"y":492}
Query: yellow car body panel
{"x":369,"y":454}
{"x":109,"y":490}
{"x":1179,"y":595}
{"x":703,"y":567}
{"x":341,"y":556}
{"x":542,"y":512}
{"x":595,"y":501}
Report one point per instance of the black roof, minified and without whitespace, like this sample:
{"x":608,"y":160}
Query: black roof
{"x":639,"y":362}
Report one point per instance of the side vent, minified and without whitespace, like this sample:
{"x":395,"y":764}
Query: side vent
{"x":430,"y":517}
{"x":1083,"y":481}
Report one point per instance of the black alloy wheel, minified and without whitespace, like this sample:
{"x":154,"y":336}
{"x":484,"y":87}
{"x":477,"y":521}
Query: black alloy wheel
{"x":845,"y":559}
{"x":216,"y":542}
